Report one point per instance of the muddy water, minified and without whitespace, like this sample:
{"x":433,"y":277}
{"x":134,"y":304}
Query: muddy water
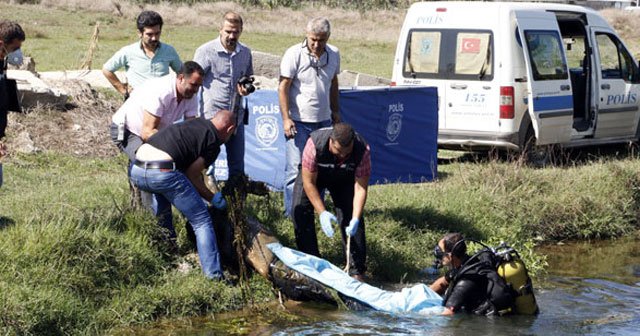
{"x":590,"y":289}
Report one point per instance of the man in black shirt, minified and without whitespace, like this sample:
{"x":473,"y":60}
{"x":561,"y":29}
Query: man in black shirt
{"x":11,"y":38}
{"x":339,"y":160}
{"x":170,"y":165}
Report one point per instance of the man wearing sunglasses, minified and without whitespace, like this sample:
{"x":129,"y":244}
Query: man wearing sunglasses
{"x":308,"y":94}
{"x":471,"y":284}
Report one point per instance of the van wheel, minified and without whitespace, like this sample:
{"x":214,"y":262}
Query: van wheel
{"x":536,"y":156}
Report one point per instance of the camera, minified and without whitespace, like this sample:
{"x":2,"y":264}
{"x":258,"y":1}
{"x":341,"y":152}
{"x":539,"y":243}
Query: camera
{"x":247,"y":83}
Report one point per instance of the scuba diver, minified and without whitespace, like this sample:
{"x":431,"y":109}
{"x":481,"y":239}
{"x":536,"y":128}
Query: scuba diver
{"x":473,"y":283}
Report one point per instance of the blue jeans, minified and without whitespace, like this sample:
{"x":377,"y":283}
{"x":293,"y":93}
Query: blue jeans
{"x":235,"y":151}
{"x":160,"y":206}
{"x":295,"y":146}
{"x":176,"y":188}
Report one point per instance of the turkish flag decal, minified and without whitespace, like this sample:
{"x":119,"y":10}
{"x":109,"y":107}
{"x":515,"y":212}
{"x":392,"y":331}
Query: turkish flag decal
{"x":470,"y":45}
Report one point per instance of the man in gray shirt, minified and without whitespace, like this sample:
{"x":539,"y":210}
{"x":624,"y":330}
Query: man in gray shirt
{"x":308,"y":94}
{"x":225,"y":61}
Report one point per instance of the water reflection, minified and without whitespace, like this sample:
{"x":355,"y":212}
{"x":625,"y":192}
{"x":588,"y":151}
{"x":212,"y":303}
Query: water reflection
{"x":590,"y":289}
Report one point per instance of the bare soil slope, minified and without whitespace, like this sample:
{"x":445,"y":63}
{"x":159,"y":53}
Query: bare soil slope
{"x":80,"y":129}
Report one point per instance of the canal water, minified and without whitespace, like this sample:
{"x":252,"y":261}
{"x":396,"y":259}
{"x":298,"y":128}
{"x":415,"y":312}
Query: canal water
{"x":590,"y":289}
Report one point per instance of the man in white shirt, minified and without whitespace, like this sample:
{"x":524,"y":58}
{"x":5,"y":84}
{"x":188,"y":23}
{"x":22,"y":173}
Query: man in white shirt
{"x":308,"y":94}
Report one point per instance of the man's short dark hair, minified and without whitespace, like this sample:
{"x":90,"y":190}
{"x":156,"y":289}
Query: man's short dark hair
{"x":189,"y":67}
{"x":148,"y":19}
{"x":454,"y":243}
{"x":232,"y":17}
{"x":10,"y":31}
{"x":343,"y":133}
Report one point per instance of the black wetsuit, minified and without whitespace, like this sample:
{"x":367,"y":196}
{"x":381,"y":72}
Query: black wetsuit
{"x":477,"y":288}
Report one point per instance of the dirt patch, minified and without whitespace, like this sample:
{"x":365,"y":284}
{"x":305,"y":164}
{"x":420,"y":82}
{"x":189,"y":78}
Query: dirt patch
{"x":80,"y":129}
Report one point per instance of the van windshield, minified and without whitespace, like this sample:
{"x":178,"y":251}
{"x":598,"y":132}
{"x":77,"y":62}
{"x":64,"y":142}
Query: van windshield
{"x":449,"y":54}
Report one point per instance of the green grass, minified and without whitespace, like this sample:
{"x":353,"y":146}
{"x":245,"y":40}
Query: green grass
{"x":75,"y":259}
{"x":59,"y":39}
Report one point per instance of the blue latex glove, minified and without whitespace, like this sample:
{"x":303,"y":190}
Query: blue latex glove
{"x":218,"y":201}
{"x":353,"y":226}
{"x":325,"y":222}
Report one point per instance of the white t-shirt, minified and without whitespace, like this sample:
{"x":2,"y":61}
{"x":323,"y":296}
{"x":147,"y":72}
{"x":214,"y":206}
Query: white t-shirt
{"x":311,"y":81}
{"x":157,"y":96}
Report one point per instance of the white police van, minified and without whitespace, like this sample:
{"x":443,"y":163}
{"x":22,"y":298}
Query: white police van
{"x":572,"y":83}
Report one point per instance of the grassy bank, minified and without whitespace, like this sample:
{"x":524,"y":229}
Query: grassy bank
{"x":75,"y":259}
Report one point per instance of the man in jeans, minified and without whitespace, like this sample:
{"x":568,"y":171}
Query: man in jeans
{"x":308,"y":94}
{"x":170,"y":164}
{"x":157,"y":105}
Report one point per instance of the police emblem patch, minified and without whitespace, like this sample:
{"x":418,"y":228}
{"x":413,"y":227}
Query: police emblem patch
{"x":394,"y":126}
{"x":267,"y":130}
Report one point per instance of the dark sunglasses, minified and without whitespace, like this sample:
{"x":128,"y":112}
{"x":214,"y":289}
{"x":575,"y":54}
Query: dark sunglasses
{"x":317,"y":63}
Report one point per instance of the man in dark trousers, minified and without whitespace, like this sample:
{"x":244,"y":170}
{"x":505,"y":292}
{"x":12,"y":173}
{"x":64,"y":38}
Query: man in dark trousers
{"x":339,"y":160}
{"x":170,"y":164}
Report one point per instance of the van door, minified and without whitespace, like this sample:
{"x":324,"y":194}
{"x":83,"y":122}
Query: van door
{"x":617,"y":87}
{"x":459,"y":62}
{"x":549,"y":98}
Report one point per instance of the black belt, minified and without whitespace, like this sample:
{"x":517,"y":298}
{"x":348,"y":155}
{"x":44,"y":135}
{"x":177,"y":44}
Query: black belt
{"x":155,"y":164}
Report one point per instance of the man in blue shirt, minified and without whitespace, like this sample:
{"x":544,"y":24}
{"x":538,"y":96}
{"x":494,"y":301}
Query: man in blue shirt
{"x":225,"y":61}
{"x":147,"y":58}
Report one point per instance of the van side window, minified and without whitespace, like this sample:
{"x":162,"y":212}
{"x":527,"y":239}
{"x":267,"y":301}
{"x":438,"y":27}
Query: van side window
{"x":546,"y":55}
{"x":449,"y":54}
{"x":473,"y":56}
{"x":423,"y":55}
{"x":615,"y":60}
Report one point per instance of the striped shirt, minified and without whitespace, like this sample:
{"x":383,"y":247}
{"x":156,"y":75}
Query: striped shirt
{"x":222,"y":72}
